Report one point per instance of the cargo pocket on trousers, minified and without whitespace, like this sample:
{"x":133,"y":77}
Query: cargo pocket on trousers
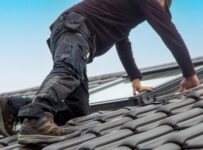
{"x":79,"y":61}
{"x":73,"y":21}
{"x":71,"y":54}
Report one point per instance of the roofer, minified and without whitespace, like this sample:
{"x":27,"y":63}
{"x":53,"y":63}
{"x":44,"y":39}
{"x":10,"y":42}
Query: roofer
{"x":84,"y":31}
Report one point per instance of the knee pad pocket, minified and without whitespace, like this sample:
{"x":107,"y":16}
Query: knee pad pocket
{"x":71,"y":54}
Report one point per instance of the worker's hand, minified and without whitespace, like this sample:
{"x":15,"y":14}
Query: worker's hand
{"x":137,"y":87}
{"x":189,"y":83}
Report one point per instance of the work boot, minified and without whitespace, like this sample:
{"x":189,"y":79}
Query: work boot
{"x":8,"y":120}
{"x":44,"y":131}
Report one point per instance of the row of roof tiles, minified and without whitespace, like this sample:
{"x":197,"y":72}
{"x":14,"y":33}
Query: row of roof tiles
{"x":176,"y":125}
{"x":167,"y":121}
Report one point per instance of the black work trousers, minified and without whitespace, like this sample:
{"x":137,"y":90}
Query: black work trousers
{"x":64,"y":92}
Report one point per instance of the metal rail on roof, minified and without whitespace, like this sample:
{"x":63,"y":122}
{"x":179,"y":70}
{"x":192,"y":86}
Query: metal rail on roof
{"x":107,"y":85}
{"x":162,"y":94}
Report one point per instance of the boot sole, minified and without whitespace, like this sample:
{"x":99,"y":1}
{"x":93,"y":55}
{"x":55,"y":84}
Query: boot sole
{"x":2,"y":126}
{"x":44,"y":139}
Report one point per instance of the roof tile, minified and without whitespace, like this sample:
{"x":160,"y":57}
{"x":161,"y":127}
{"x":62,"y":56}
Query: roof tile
{"x":168,"y":146}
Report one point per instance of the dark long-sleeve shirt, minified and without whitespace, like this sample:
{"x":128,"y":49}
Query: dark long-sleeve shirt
{"x":112,"y":20}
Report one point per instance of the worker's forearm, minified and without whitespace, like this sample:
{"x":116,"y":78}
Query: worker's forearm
{"x":126,"y":56}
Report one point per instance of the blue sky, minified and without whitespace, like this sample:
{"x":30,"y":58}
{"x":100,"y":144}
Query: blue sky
{"x":25,"y":59}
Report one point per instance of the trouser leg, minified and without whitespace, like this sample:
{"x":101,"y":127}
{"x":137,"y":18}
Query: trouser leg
{"x":65,"y":77}
{"x":77,"y":103}
{"x":16,"y":102}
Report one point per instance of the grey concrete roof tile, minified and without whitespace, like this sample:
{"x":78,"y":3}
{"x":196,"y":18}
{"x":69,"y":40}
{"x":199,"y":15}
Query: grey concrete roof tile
{"x":84,"y":118}
{"x":134,"y":113}
{"x":33,"y":147}
{"x":153,"y":143}
{"x":146,"y":113}
{"x":182,"y":109}
{"x":110,"y":130}
{"x":169,"y":107}
{"x":112,"y":114}
{"x":190,"y":122}
{"x":108,"y":125}
{"x":175,"y":119}
{"x":70,"y":143}
{"x":195,"y":143}
{"x":184,"y":135}
{"x":110,"y":146}
{"x":106,"y":139}
{"x":134,"y":140}
{"x":7,"y":140}
{"x":88,"y":125}
{"x":122,"y":148}
{"x":148,"y":126}
{"x":179,"y":137}
{"x":133,"y":125}
{"x":198,"y":104}
{"x":168,"y":146}
{"x":196,"y":94}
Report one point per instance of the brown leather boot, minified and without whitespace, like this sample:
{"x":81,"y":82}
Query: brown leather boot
{"x":44,"y":131}
{"x":8,"y":120}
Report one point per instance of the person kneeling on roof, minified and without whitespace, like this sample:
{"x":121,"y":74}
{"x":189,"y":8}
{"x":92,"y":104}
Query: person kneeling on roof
{"x":81,"y":33}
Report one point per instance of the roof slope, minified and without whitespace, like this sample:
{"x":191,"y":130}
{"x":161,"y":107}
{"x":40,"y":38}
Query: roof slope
{"x":160,"y":120}
{"x":170,"y":123}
